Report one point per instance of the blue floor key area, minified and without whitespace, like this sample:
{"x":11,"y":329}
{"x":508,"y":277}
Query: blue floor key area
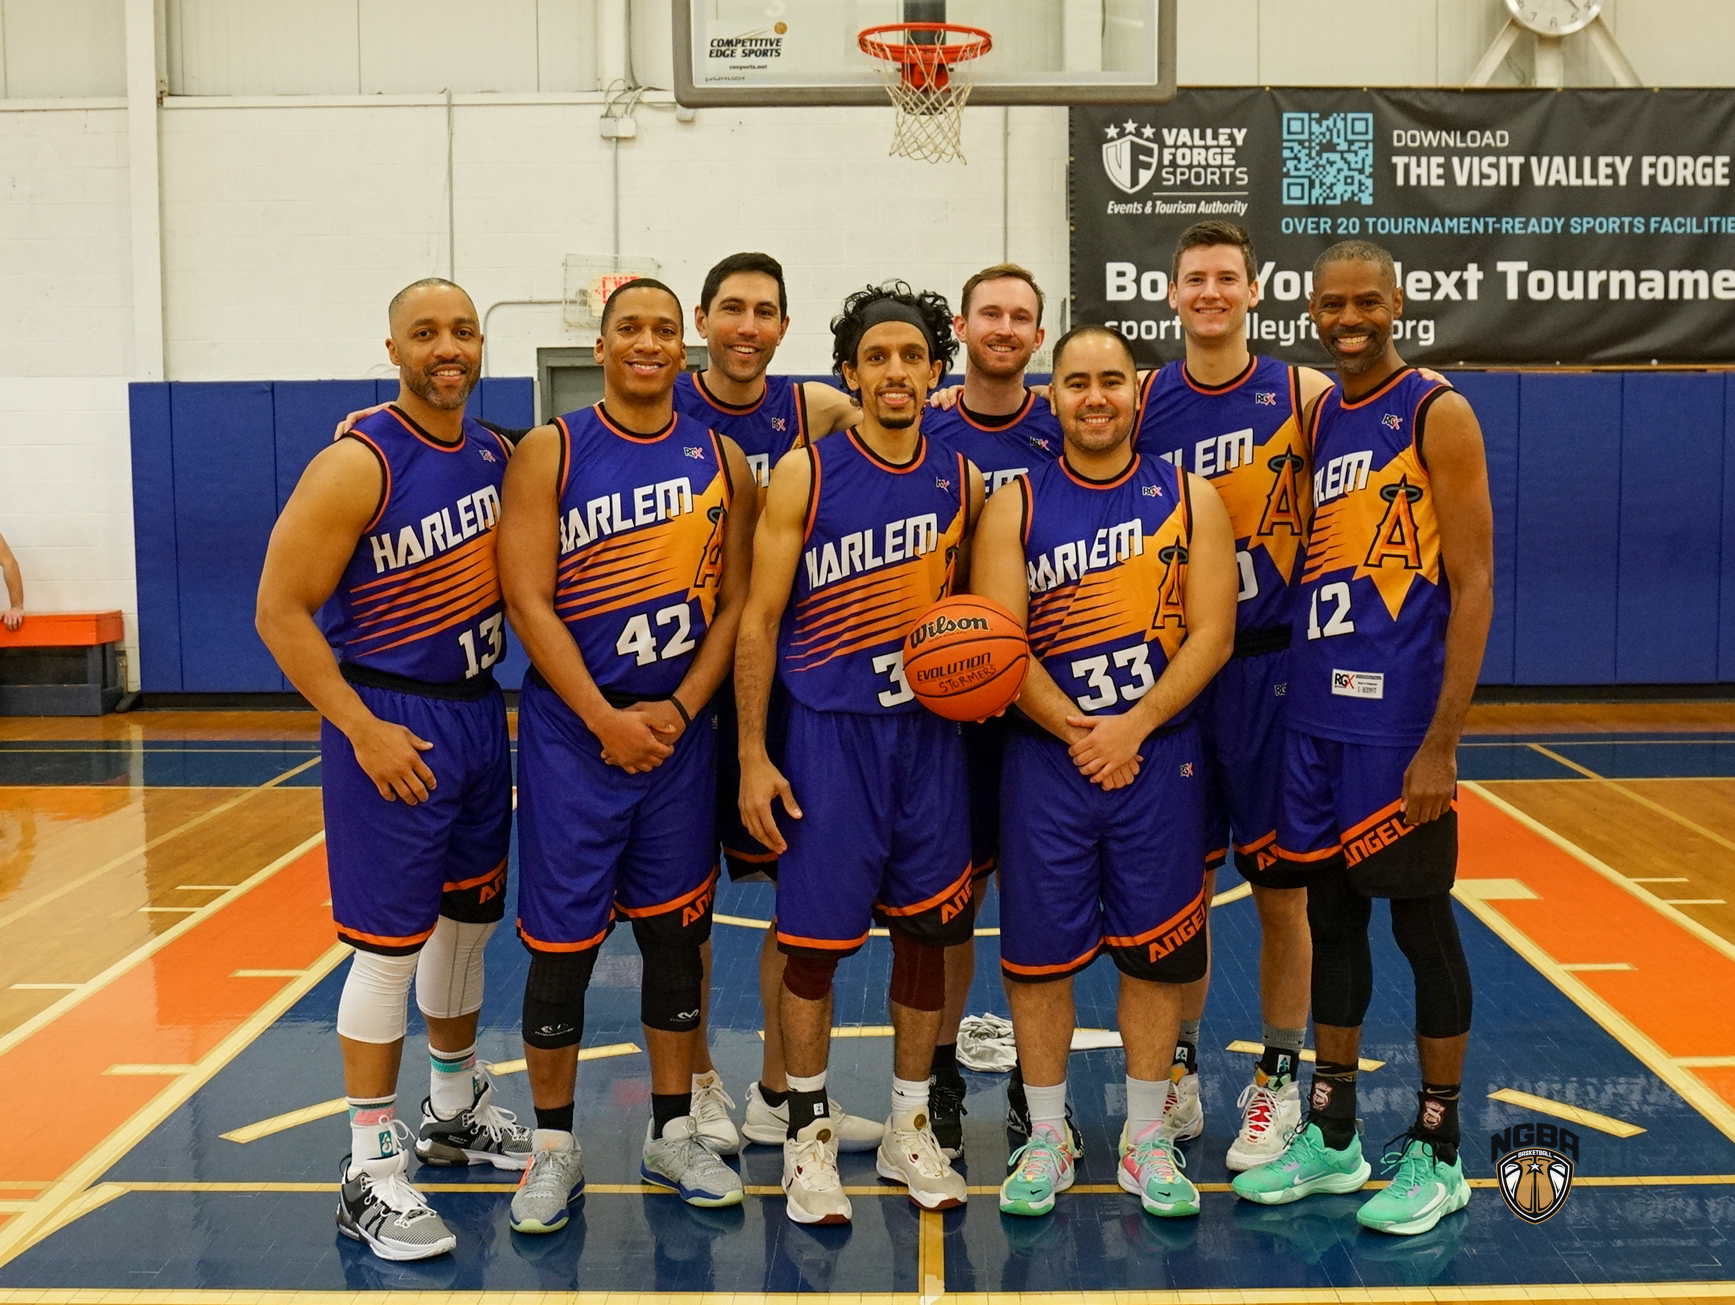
{"x":200,"y":1211}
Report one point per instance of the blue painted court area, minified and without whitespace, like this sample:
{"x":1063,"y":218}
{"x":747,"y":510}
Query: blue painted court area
{"x":229,"y":1226}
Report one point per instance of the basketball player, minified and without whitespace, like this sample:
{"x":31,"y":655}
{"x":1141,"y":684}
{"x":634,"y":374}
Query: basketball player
{"x":388,"y":544}
{"x":1394,"y":602}
{"x":1123,"y":567}
{"x":862,"y":532}
{"x":743,"y":315}
{"x":1004,"y":428}
{"x":623,"y":557}
{"x":1236,"y":419}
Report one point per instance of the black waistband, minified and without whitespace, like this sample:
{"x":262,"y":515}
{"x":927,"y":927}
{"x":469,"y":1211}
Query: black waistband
{"x":471,"y":690}
{"x":614,"y":699}
{"x":1270,"y":639}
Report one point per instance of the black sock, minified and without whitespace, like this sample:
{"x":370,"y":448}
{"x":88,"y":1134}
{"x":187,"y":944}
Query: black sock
{"x":666,"y":1106}
{"x":772,"y":1097}
{"x":1187,"y":1056}
{"x":804,"y":1108}
{"x":1437,"y":1118}
{"x":945,"y":1061}
{"x":558,"y":1118}
{"x":1331,"y":1103}
{"x":1278,"y":1064}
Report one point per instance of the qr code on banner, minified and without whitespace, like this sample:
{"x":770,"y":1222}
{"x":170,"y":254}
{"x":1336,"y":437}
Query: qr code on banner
{"x":1328,"y":158}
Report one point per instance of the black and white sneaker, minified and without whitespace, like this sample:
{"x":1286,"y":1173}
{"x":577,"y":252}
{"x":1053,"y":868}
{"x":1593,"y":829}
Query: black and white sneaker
{"x":946,"y":1112}
{"x":377,"y":1205}
{"x":482,"y":1135}
{"x":1018,"y":1116}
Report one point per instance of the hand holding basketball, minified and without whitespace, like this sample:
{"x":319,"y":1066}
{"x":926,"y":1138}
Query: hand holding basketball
{"x":966,"y":658}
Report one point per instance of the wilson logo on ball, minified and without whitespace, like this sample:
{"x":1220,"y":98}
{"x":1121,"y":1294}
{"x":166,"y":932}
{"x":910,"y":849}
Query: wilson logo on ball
{"x":965,"y":658}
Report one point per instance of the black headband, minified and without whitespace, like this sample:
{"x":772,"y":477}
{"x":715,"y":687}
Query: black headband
{"x":885,"y":310}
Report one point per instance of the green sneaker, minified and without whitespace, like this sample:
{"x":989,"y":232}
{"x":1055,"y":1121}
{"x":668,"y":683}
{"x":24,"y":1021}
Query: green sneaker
{"x":1424,"y":1189}
{"x":1306,"y":1166}
{"x":1041,"y":1168}
{"x":1151,"y":1171}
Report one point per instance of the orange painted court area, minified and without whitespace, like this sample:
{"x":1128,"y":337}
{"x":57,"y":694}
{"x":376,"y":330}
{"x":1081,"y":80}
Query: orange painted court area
{"x":169,"y":1009}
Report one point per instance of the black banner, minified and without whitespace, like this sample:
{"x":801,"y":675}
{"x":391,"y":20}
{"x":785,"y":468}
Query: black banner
{"x":1535,"y":227}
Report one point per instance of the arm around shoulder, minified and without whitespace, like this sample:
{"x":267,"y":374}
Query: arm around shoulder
{"x":829,"y":409}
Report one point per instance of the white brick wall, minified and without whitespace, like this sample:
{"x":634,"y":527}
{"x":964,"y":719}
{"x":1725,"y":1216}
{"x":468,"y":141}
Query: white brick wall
{"x":66,"y":504}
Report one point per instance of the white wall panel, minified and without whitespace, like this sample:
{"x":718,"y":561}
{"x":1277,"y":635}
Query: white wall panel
{"x":66,"y":504}
{"x":1305,"y":42}
{"x":1217,"y":43}
{"x":423,"y":45}
{"x":1678,"y":42}
{"x":566,"y":45}
{"x":63,"y":48}
{"x":244,"y":47}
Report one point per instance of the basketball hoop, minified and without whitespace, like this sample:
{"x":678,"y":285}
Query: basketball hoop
{"x":928,"y":73}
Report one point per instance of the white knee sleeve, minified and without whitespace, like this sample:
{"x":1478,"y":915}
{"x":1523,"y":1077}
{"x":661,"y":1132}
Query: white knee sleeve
{"x":449,"y":979}
{"x":375,"y":997}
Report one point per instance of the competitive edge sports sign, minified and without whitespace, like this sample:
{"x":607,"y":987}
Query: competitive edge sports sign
{"x":1593,"y":226}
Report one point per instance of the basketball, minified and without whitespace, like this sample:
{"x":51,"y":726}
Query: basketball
{"x":966,"y":658}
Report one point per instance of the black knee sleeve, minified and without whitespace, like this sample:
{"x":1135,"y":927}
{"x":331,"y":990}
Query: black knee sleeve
{"x":554,"y":998}
{"x":918,"y":973}
{"x":1343,"y":963}
{"x":674,"y":973}
{"x":1427,"y":931}
{"x":808,"y":974}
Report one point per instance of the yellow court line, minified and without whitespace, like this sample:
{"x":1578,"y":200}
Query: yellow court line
{"x":1696,"y":901}
{"x":266,"y":974}
{"x":1600,"y":967}
{"x":1706,"y":1062}
{"x":748,"y":922}
{"x":46,"y":987}
{"x":149,"y":1071}
{"x":337,"y":1105}
{"x":203,"y":888}
{"x":1640,"y":798}
{"x":1438,"y":1295}
{"x":855,"y":1031}
{"x":931,"y":1255}
{"x":1234,"y":894}
{"x":71,"y":1195}
{"x":166,"y":910}
{"x":145,"y":951}
{"x":1257,"y":1049}
{"x":137,"y":853}
{"x":1561,"y":1110}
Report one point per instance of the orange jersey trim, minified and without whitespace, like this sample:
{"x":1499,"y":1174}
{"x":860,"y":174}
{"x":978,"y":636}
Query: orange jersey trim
{"x":1306,"y":858}
{"x":962,"y":881}
{"x":385,"y":489}
{"x":757,"y":858}
{"x":897,"y":469}
{"x":673,"y":904}
{"x":1139,"y":940}
{"x":422,"y":435}
{"x":1199,"y":387}
{"x":498,"y":872}
{"x":1119,"y":480}
{"x":347,"y":934}
{"x":1349,"y":405}
{"x":1064,"y":967}
{"x":1257,"y":845}
{"x":538,"y":945}
{"x":821,"y":944}
{"x":634,"y":436}
{"x":1020,"y":415}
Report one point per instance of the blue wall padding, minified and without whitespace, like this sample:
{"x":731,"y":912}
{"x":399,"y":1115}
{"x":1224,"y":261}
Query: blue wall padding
{"x":1671,"y":507}
{"x":1494,"y":396}
{"x":1569,"y":461}
{"x":1614,"y":520}
{"x":157,"y":565}
{"x":225,"y":501}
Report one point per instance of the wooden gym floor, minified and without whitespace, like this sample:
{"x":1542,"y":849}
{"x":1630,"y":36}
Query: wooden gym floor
{"x":168,"y":1080}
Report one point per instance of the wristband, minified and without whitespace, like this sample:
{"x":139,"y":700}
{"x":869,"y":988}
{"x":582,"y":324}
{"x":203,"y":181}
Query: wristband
{"x":686,"y":720}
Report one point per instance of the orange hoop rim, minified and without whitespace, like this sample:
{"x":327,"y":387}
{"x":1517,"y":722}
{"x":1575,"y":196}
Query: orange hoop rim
{"x":908,"y":53}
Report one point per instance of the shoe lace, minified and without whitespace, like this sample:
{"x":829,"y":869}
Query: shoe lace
{"x":1158,"y":1157}
{"x":923,"y":1148}
{"x":945,"y":1094}
{"x":1258,"y":1106}
{"x":1033,"y":1161}
{"x":711,"y":1099}
{"x":1299,"y":1147}
{"x":545,"y":1173}
{"x":1411,"y":1158}
{"x":497,"y":1123}
{"x":394,"y":1189}
{"x":812,"y":1160}
{"x":698,"y":1158}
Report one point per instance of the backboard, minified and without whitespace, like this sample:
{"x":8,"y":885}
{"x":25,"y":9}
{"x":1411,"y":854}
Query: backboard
{"x":740,"y":53}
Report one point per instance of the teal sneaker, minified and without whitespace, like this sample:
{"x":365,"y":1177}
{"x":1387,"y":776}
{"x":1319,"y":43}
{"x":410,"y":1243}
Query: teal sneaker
{"x":1151,"y":1171}
{"x":1306,"y":1166}
{"x":1424,"y":1189}
{"x":1041,"y":1168}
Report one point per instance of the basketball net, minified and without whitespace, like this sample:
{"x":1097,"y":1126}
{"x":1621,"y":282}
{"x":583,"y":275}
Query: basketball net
{"x":928,"y":70}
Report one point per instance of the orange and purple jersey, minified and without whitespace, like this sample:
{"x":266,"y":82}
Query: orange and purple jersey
{"x":420,"y":597}
{"x":1003,"y":448}
{"x":641,"y":547}
{"x":879,"y":549}
{"x":1106,"y":566}
{"x":765,"y":430}
{"x":1245,"y":438}
{"x":1370,"y":622}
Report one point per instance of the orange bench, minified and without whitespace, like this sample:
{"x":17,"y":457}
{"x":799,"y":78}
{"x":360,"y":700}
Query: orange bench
{"x":62,"y":664}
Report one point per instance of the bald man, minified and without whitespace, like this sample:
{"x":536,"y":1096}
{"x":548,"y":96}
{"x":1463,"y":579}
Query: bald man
{"x":381,"y":601}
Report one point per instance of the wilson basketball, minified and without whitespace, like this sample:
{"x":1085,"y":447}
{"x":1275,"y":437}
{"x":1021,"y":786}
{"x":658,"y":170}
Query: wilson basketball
{"x":966,"y":658}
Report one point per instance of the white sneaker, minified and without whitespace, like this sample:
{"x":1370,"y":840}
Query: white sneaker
{"x":769,"y":1125}
{"x":1184,"y":1115}
{"x":377,"y":1206}
{"x":711,"y":1106}
{"x":912,"y":1156}
{"x":813,"y":1193}
{"x":1269,"y":1117}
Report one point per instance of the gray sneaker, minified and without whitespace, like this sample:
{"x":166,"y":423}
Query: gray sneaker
{"x":678,"y":1159}
{"x":554,"y":1180}
{"x":482,"y":1135}
{"x":377,"y":1206}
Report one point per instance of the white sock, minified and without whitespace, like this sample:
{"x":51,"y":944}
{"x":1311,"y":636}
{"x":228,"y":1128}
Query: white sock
{"x":371,"y":1135}
{"x":451,"y":1080}
{"x":909,"y":1100}
{"x":1047,"y":1106}
{"x":552,"y":1139}
{"x":1145,"y":1102}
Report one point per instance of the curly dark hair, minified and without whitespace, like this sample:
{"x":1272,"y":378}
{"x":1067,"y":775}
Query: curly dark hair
{"x":847,"y":327}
